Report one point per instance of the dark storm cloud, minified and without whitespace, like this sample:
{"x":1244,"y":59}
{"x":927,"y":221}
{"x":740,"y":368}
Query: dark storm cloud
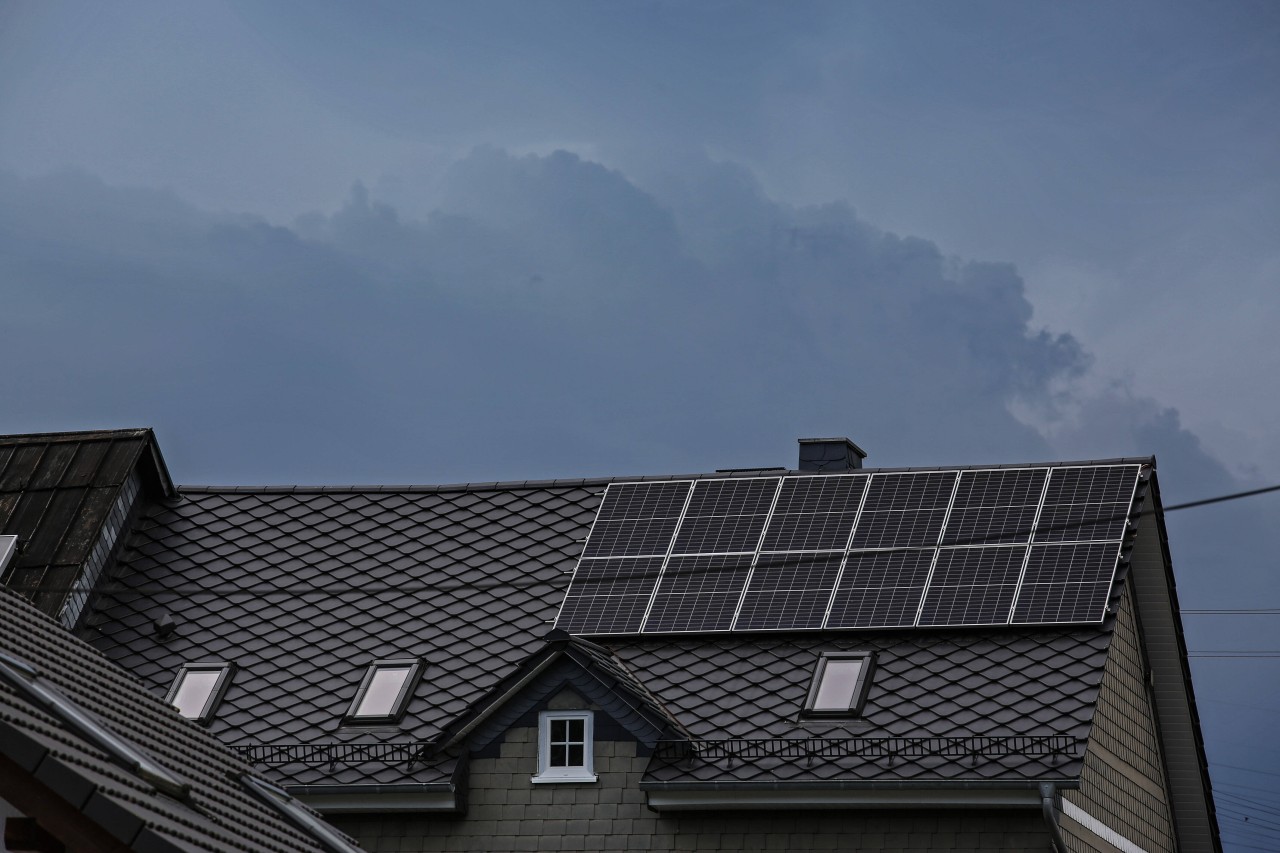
{"x":550,"y":317}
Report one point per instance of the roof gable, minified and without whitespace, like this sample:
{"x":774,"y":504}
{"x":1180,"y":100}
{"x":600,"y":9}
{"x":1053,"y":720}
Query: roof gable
{"x":590,"y":671}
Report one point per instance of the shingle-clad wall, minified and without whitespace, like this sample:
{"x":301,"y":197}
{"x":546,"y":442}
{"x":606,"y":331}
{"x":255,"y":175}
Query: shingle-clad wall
{"x":508,"y":813}
{"x":1123,"y":782}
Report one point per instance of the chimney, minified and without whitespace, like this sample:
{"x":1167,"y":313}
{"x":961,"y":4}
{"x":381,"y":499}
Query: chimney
{"x":830,"y":455}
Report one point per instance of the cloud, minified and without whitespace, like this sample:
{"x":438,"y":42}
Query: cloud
{"x":549,"y":317}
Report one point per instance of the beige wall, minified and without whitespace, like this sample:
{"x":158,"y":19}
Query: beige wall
{"x":1123,"y":782}
{"x":508,"y":812}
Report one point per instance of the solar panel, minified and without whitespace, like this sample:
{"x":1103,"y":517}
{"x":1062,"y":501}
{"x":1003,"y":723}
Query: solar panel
{"x":789,"y":591}
{"x":698,"y":593}
{"x":609,"y":596}
{"x":1066,"y":583}
{"x":904,"y":510}
{"x":993,"y":507}
{"x":726,"y":516}
{"x":1086,"y":504}
{"x":879,"y":550}
{"x":637,"y":519}
{"x":880,"y":589}
{"x":815,"y":513}
{"x":972,"y":586}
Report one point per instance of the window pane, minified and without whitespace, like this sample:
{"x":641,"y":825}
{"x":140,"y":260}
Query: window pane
{"x":560,"y":730}
{"x":380,"y":699}
{"x":194,"y":691}
{"x":839,"y":678}
{"x":575,"y":756}
{"x":577,"y":730}
{"x":559,"y":756}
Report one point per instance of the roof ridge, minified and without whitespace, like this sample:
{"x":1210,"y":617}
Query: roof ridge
{"x":570,"y":482}
{"x":77,"y":435}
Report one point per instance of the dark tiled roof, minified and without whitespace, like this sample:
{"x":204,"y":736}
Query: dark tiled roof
{"x":218,"y":815}
{"x":56,"y":492}
{"x":303,"y":588}
{"x":926,"y":685}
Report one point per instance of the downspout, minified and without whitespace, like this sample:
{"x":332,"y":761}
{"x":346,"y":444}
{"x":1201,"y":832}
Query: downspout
{"x":1048,"y":796}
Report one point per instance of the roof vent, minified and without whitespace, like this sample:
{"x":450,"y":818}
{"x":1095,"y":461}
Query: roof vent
{"x":165,"y":625}
{"x":830,"y":454}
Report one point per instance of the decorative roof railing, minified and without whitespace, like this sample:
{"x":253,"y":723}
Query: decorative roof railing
{"x":332,"y":754}
{"x":812,"y":750}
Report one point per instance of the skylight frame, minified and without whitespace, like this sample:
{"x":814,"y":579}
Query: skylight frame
{"x":861,"y":685}
{"x":211,"y":702}
{"x":401,"y":702}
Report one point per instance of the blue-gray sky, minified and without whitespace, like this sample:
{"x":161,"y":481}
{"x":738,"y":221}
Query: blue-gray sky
{"x":384,"y":242}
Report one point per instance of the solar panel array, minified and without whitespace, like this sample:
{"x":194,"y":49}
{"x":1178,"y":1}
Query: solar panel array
{"x":1001,"y":546}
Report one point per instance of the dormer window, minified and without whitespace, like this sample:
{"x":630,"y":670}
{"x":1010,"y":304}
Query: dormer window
{"x":840,"y":683}
{"x":384,"y":692}
{"x":198,"y":689}
{"x":565,"y":749}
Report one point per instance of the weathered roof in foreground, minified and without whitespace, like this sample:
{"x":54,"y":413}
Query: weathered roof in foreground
{"x":219,"y":814}
{"x":303,"y":588}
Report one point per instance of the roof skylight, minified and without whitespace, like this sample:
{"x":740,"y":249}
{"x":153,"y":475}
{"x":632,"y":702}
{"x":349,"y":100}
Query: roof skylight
{"x":198,"y":688}
{"x":839,"y":683}
{"x":384,"y":692}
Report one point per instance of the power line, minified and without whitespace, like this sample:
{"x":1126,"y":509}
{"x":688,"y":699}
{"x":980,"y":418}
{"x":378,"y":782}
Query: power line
{"x":1221,"y":498}
{"x":374,"y":589}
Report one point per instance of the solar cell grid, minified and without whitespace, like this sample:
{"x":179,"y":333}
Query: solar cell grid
{"x":630,"y":537}
{"x":917,"y":491}
{"x":614,"y":614}
{"x":972,"y":586}
{"x":1082,"y":522}
{"x":828,"y":493}
{"x":1052,"y":603}
{"x":897,"y":529}
{"x":817,"y":531}
{"x":880,"y":589}
{"x":1004,"y":487}
{"x":733,"y":496}
{"x":795,"y":571}
{"x":696,"y":612}
{"x":644,"y":500}
{"x":719,"y":534}
{"x":1102,"y":484}
{"x":617,"y":576}
{"x":705,"y":573}
{"x":782,"y":610}
{"x":967,"y":605}
{"x":1088,"y":562}
{"x":989,"y":525}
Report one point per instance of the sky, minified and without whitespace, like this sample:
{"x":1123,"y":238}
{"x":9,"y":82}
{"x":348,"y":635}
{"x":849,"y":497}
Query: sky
{"x":389,"y":242}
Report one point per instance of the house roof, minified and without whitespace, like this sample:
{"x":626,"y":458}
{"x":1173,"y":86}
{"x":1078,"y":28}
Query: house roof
{"x":76,"y":731}
{"x":305,"y":587}
{"x":57,"y":491}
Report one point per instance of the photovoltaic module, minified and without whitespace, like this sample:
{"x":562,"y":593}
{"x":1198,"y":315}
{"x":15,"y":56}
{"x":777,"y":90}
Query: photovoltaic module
{"x":853,"y":550}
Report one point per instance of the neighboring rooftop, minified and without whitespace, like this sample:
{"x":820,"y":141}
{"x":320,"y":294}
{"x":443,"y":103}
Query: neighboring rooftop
{"x":97,"y":759}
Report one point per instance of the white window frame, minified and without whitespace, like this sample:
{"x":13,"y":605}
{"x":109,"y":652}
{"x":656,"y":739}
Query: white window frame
{"x":584,"y":772}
